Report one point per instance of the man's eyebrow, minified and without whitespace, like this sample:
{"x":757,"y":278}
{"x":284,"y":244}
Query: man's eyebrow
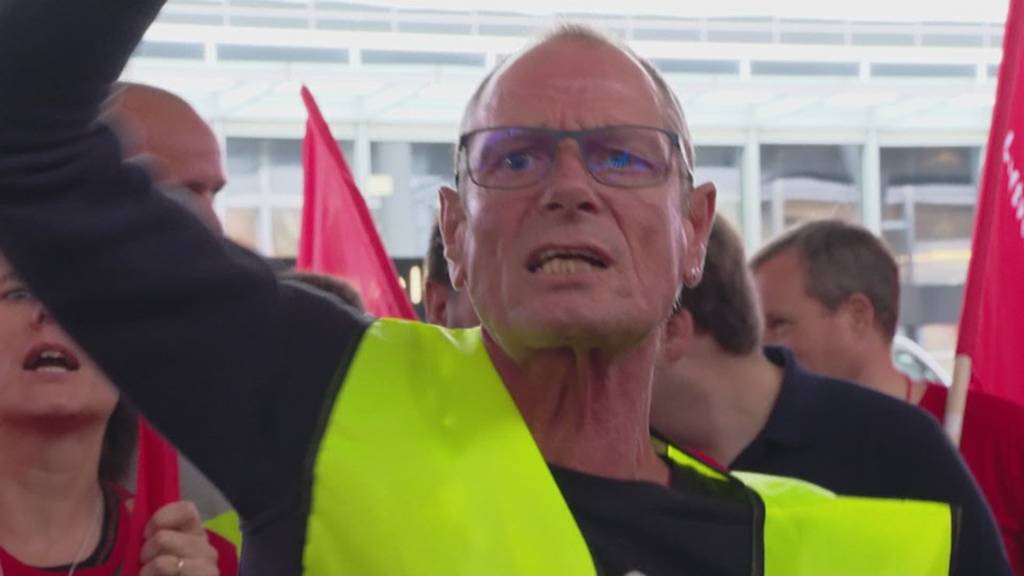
{"x":9,"y":277}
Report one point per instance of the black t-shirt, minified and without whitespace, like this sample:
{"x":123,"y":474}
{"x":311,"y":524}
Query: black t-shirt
{"x":238,"y":369}
{"x":700,"y":527}
{"x":856,"y":441}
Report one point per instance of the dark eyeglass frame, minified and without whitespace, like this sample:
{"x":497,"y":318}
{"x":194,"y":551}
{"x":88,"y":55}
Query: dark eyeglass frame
{"x":675,"y":142}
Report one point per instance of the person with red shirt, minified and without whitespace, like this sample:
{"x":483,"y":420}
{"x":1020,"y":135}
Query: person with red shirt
{"x":991,"y":444}
{"x":66,"y":440}
{"x":830,"y":292}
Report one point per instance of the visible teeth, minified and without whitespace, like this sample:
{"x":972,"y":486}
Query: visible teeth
{"x":51,"y":369}
{"x":566,"y":266}
{"x":557,"y":253}
{"x":51,"y":355}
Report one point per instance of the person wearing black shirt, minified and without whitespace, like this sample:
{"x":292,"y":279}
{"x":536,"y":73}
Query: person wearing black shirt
{"x":717,"y":391}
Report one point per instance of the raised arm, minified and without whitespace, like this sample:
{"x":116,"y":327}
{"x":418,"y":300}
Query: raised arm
{"x":230,"y":364}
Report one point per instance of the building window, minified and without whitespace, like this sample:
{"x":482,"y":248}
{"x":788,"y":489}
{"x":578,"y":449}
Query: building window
{"x":929,"y":197}
{"x":262,"y":203}
{"x":403,"y":192}
{"x":804,"y":183}
{"x":721,"y":165}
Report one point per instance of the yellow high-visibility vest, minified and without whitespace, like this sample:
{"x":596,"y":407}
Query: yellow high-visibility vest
{"x":426,"y":467}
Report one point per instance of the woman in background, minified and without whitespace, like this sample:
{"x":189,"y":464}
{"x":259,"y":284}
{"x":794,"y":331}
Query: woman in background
{"x":66,"y":441}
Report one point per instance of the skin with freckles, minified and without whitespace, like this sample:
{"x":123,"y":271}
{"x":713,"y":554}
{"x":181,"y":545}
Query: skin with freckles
{"x":576,"y":348}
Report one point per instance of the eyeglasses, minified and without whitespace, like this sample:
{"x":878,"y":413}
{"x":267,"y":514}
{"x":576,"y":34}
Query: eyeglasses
{"x":620,"y":156}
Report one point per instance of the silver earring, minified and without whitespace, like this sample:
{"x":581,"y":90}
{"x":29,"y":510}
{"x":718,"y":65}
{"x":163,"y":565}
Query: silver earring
{"x":692,"y":278}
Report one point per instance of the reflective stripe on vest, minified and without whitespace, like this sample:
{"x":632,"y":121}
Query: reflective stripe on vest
{"x":426,"y":467}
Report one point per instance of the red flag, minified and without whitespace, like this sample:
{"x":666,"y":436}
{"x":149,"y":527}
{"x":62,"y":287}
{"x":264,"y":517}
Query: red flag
{"x":991,"y":331}
{"x":338,"y":235}
{"x":157,"y":484}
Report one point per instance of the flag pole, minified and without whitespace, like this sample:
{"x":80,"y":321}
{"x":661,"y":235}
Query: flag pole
{"x":956,"y":400}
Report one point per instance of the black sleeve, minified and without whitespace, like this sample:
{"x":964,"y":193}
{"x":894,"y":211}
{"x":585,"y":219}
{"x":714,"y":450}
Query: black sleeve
{"x":979,"y":548}
{"x":231,"y":365}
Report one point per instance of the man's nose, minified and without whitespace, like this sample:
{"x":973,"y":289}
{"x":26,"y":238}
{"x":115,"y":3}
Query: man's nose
{"x":570,"y":186}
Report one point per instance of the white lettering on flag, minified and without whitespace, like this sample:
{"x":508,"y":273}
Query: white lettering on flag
{"x":1014,"y":184}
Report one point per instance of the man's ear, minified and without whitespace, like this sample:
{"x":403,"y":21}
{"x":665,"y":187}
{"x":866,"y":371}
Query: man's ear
{"x":677,"y":336}
{"x":435,"y":302}
{"x":859,"y":314}
{"x":698,"y":221}
{"x":453,"y":232}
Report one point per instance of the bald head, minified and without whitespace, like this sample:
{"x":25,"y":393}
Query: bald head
{"x":604,"y":49}
{"x":178,"y":146}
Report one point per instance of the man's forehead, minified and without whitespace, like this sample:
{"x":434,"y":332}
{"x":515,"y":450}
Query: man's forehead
{"x":567,"y":76}
{"x":781,"y":273}
{"x":565,"y":95}
{"x":189,"y":150}
{"x":162,"y":124}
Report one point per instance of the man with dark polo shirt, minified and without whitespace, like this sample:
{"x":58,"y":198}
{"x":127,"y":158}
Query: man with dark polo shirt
{"x":717,"y":391}
{"x":830,"y":292}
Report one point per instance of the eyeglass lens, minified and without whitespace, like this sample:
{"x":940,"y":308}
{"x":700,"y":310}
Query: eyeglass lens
{"x":616,"y":156}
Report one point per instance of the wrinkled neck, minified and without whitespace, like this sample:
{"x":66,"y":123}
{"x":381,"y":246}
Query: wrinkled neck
{"x":588,"y":409}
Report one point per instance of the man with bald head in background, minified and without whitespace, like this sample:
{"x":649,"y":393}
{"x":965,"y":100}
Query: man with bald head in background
{"x":163,"y":132}
{"x":179,"y":149}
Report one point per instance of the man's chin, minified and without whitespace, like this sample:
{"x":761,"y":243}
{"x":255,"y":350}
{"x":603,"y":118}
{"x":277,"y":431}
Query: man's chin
{"x":576,"y":329}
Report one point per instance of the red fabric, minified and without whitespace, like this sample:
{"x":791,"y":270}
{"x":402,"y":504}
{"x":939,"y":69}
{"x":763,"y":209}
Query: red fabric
{"x":990,"y":330}
{"x":114,"y":565}
{"x":707,"y":460}
{"x":992,"y":444}
{"x":157,"y":484}
{"x":227,"y":554}
{"x":338,"y":235}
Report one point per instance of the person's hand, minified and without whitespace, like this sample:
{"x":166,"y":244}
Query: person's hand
{"x":176,"y":544}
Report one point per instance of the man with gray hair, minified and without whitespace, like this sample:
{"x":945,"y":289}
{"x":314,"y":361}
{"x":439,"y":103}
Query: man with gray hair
{"x":757,"y":409}
{"x":831,"y":293}
{"x":350,"y":445}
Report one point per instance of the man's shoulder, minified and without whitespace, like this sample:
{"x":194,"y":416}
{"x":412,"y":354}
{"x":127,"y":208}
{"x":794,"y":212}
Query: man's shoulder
{"x":827,"y":415}
{"x":839,"y":402}
{"x":852,"y":440}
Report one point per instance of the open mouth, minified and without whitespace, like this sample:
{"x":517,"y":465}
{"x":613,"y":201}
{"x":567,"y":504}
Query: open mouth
{"x":566,"y":261}
{"x":50,"y":358}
